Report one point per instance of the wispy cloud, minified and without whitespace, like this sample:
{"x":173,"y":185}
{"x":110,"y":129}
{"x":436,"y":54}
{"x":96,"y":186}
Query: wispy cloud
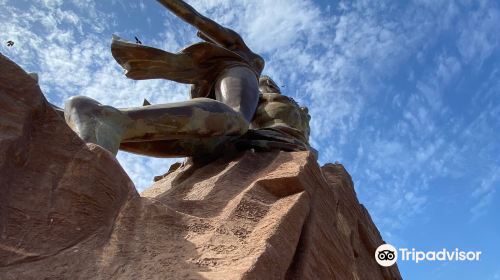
{"x":485,"y":192}
{"x":477,"y":39}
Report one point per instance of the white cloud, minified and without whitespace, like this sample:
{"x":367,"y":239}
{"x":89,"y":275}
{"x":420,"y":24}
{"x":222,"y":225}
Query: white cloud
{"x":143,"y":169}
{"x":478,"y":37}
{"x":485,"y":193}
{"x":52,"y":3}
{"x":448,"y":66}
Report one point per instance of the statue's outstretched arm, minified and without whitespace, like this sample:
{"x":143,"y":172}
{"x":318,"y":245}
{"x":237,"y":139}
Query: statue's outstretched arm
{"x":209,"y":29}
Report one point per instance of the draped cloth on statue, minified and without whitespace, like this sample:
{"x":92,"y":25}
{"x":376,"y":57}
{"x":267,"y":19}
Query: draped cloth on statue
{"x":280,"y":137}
{"x":199,"y":64}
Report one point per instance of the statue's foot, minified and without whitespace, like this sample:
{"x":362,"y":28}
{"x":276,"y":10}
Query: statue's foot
{"x":95,"y":123}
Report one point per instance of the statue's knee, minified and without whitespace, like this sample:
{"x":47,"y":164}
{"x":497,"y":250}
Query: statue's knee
{"x":80,"y":102}
{"x":79,"y":108}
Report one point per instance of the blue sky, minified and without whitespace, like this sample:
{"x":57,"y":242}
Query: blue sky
{"x":405,"y":94}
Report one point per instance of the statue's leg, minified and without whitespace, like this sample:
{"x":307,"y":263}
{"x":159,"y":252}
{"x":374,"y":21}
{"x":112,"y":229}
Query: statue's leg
{"x":199,"y":122}
{"x":195,"y":118}
{"x":238,"y":87}
{"x":187,"y":147}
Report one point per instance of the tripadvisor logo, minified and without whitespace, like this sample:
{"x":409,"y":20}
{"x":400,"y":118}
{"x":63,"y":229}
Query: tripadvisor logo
{"x":387,"y":255}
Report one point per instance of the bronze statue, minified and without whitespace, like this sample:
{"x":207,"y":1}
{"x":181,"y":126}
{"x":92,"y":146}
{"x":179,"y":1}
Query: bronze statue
{"x":221,"y":68}
{"x":224,"y":74}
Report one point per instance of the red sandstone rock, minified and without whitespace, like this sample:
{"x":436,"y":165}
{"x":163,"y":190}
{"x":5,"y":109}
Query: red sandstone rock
{"x":69,"y":211}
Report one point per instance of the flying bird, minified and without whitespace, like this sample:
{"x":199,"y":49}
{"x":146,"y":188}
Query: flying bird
{"x":137,"y":41}
{"x":10,"y":43}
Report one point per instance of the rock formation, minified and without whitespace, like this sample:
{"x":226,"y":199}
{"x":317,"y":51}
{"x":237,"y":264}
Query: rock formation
{"x":69,"y":211}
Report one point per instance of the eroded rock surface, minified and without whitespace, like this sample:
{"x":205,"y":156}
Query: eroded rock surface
{"x":69,"y":211}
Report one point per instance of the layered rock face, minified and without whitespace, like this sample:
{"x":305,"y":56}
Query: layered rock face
{"x":69,"y":211}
